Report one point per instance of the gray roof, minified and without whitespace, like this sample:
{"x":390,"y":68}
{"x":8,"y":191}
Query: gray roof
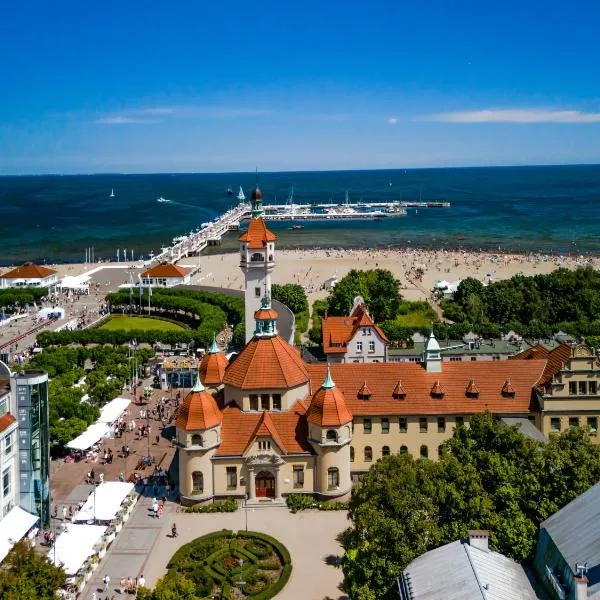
{"x":458,"y":571}
{"x":575,"y":529}
{"x":526,"y":427}
{"x":452,"y":347}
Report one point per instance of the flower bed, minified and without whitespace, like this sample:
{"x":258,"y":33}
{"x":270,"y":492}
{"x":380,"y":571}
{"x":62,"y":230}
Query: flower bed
{"x":246,"y":565}
{"x":297,"y":502}
{"x":229,"y":505}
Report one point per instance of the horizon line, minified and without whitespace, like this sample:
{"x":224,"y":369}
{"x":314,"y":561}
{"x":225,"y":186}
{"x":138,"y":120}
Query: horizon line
{"x":430,"y":168}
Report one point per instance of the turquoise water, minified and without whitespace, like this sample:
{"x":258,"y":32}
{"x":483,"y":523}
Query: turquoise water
{"x":54,"y":218}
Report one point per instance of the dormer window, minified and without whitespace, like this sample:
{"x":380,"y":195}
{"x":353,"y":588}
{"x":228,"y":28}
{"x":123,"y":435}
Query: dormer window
{"x":472,"y":390}
{"x":197,"y":440}
{"x":437,"y":391}
{"x":508,"y":391}
{"x":331,"y":435}
{"x":399,"y":393}
{"x":364,"y":393}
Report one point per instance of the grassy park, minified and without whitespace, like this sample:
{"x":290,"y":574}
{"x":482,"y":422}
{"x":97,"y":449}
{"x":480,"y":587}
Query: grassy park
{"x":116,"y":323}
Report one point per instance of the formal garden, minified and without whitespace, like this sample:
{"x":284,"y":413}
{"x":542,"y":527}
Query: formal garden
{"x":226,"y":565}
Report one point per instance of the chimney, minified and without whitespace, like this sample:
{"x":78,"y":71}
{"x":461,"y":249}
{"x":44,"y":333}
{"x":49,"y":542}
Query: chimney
{"x":581,"y":587}
{"x":479,"y":538}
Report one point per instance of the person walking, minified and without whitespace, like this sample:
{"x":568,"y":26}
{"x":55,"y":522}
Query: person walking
{"x":106,"y":582}
{"x":174,"y":530}
{"x":64,"y":513}
{"x":141,"y":581}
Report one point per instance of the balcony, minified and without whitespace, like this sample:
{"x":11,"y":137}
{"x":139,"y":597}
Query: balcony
{"x":555,"y":583}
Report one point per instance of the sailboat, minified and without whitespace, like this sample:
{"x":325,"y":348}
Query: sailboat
{"x":112,"y":193}
{"x":229,"y":191}
{"x":241,"y":197}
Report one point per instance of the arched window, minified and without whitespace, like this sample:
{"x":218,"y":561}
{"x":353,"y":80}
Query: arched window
{"x":256,"y":257}
{"x":331,"y":435}
{"x":351,"y":453}
{"x":385,"y":451}
{"x":197,"y":440}
{"x":197,"y":482}
{"x":424,"y":451}
{"x":403,"y":450}
{"x":333,"y":478}
{"x":368,"y":454}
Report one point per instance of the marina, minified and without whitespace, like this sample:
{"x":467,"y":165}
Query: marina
{"x":211,"y":233}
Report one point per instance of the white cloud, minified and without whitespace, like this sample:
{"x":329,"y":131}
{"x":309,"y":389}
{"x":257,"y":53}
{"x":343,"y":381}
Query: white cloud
{"x":120,"y":120}
{"x":158,"y":110}
{"x":392,"y":120}
{"x":524,"y":115}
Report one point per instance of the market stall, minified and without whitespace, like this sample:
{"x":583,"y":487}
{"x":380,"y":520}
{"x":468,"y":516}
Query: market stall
{"x":105,"y":502}
{"x":111,"y":411}
{"x":13,"y":528}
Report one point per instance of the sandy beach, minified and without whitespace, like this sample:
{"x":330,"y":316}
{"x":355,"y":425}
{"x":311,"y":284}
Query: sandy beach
{"x":311,"y":268}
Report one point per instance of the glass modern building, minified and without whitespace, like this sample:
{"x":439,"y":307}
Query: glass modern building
{"x":34,"y":446}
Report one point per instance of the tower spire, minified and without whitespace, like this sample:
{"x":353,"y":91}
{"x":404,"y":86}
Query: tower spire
{"x":198,"y":387}
{"x":257,"y":198}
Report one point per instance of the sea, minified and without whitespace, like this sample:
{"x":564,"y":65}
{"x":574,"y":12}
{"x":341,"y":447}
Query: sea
{"x":548,"y":209}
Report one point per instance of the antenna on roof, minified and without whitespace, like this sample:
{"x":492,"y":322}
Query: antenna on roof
{"x":581,"y":569}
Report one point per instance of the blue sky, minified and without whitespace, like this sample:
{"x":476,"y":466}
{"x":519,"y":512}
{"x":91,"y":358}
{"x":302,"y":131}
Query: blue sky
{"x":131,"y":86}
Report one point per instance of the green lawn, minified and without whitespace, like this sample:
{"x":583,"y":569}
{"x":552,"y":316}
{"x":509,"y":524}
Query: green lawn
{"x":139,"y":323}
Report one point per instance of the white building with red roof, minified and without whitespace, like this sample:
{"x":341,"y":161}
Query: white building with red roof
{"x":166,"y":274}
{"x":355,"y":338}
{"x":29,"y":275}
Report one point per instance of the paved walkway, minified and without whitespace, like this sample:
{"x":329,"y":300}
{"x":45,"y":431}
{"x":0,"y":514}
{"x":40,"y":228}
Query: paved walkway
{"x":145,"y":546}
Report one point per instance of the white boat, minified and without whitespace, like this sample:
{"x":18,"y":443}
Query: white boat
{"x":240,"y":195}
{"x":112,"y":193}
{"x":161,"y":199}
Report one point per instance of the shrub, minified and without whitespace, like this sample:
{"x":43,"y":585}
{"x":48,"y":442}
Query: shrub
{"x":229,"y":505}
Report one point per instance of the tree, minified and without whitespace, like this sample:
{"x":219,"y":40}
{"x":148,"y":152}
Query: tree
{"x":292,"y":295}
{"x":489,"y":476}
{"x":27,"y":575}
{"x":378,"y":287}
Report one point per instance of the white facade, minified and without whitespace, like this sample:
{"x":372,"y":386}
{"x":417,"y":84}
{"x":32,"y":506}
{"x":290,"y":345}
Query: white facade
{"x":257,"y":266}
{"x":366,"y":346}
{"x":166,"y":281}
{"x":28,"y":281}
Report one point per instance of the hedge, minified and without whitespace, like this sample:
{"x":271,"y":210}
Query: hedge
{"x":230,"y":505}
{"x":284,"y":555}
{"x":274,"y":589}
{"x":297,"y":502}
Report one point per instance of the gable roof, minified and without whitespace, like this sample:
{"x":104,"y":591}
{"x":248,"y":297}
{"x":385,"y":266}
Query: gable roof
{"x":166,"y":269}
{"x":338,"y":331}
{"x":266,"y":428}
{"x":239,"y":427}
{"x":267,"y":363}
{"x":575,"y":530}
{"x":257,"y":235}
{"x":28,"y":271}
{"x":417,"y":383}
{"x":459,"y":571}
{"x":555,"y":359}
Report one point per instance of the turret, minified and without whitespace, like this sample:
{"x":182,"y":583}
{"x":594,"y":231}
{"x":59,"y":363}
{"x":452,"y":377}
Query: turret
{"x":198,"y":430}
{"x":330,"y":434}
{"x":432,"y":357}
{"x":212,"y":367}
{"x":257,"y":260}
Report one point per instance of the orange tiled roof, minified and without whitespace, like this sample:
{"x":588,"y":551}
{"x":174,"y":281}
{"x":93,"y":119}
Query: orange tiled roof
{"x":28,"y":271}
{"x":257,"y":235}
{"x":166,"y":269}
{"x":338,"y":331}
{"x":508,"y":389}
{"x":212,"y":368}
{"x":198,"y":411}
{"x":328,"y":408}
{"x":267,"y":363}
{"x":266,"y":428}
{"x":239,"y":427}
{"x":6,"y":420}
{"x":417,"y":383}
{"x":437,"y":389}
{"x":556,"y":358}
{"x":264,"y":314}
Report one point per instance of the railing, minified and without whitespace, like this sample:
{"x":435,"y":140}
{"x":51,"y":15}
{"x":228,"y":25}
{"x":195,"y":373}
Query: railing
{"x":555,"y":583}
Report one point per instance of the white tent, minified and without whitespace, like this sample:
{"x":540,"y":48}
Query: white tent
{"x":46,"y":312}
{"x":13,"y":527}
{"x":74,"y":283}
{"x":73,"y":547}
{"x":105,"y":502}
{"x":111,"y":411}
{"x":90,"y":436}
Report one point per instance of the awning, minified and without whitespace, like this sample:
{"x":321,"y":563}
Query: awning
{"x":73,"y":547}
{"x":111,"y":411}
{"x":90,"y":436}
{"x":13,"y":527}
{"x":105,"y":503}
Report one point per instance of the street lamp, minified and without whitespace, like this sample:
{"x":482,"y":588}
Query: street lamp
{"x":241,"y":581}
